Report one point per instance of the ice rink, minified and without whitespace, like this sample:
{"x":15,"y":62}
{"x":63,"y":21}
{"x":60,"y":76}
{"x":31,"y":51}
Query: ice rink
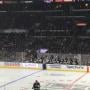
{"x":22,"y":79}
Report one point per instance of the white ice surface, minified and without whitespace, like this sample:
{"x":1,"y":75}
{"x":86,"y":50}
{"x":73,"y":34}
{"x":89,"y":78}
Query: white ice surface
{"x":23,"y":79}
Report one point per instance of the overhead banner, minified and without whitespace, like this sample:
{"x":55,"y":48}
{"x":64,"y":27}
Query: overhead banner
{"x":63,"y":0}
{"x":59,"y":0}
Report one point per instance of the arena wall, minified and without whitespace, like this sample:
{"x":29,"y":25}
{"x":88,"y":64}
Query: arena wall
{"x":75,"y":68}
{"x":20,"y":65}
{"x":55,"y":67}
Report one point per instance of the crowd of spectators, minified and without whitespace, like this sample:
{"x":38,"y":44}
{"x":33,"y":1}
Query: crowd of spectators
{"x":57,"y":59}
{"x":32,"y":27}
{"x":54,"y":30}
{"x":23,"y":42}
{"x":40,"y":58}
{"x":22,"y":47}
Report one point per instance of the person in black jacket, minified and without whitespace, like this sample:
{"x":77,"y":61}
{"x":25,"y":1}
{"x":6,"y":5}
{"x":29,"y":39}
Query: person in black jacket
{"x":36,"y":85}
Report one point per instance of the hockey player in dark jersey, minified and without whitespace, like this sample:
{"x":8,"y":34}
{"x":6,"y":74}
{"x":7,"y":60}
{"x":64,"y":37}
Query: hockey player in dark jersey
{"x":36,"y":85}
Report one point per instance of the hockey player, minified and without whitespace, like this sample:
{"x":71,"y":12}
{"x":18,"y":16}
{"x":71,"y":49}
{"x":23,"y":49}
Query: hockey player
{"x":36,"y":85}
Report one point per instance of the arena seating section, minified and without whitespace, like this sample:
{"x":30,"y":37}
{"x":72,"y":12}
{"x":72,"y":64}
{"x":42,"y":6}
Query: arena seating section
{"x":60,"y":28}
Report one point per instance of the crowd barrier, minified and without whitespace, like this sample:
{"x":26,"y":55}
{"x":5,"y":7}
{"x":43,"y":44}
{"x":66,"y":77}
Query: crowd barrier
{"x":56,"y":67}
{"x":20,"y":65}
{"x":76,"y":68}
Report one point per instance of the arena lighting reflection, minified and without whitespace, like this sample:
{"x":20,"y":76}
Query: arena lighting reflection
{"x":42,"y":50}
{"x":1,"y":2}
{"x":81,"y":24}
{"x":48,"y":1}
